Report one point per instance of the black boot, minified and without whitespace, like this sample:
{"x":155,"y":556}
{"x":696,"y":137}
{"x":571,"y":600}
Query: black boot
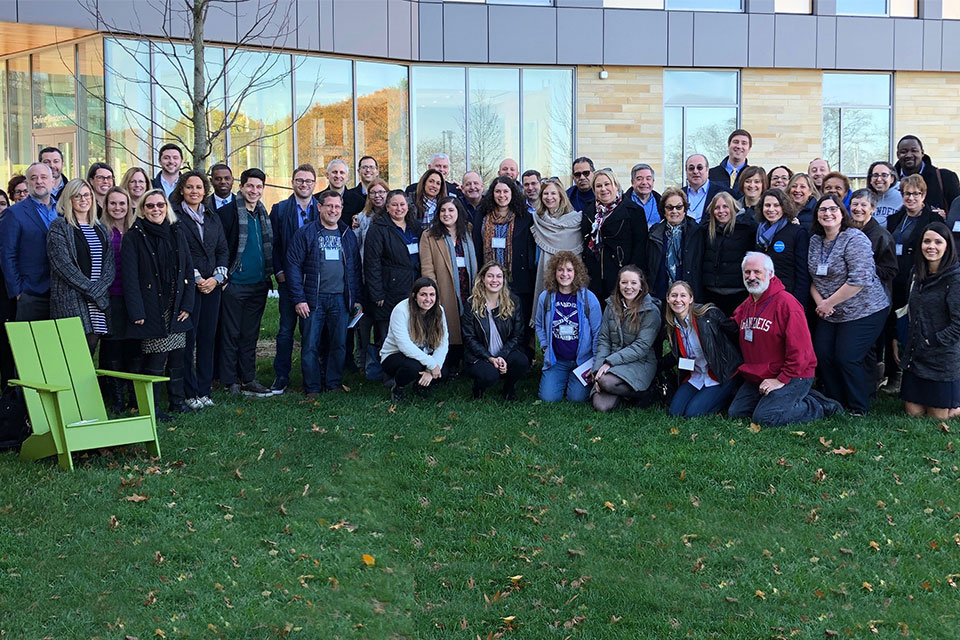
{"x":114,"y":388}
{"x":161,"y":416}
{"x":175,"y":392}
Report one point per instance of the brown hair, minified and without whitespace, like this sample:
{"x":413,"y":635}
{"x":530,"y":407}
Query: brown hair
{"x":749,"y":172}
{"x":712,"y":222}
{"x":580,"y":276}
{"x":789,"y":208}
{"x":426,"y":327}
{"x":673,"y":191}
{"x":368,"y":204}
{"x":108,"y":220}
{"x":836,"y":175}
{"x":629,"y":310}
{"x":916,"y":181}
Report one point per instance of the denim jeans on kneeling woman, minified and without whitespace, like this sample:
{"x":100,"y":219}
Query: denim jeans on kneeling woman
{"x":691,"y":402}
{"x":560,"y":377}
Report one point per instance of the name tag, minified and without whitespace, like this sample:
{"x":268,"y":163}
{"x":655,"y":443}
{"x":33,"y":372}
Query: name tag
{"x":413,"y":249}
{"x":748,"y":334}
{"x":821,"y":269}
{"x":331,"y":254}
{"x":899,"y":249}
{"x":498,"y":243}
{"x":687,"y":363}
{"x":461,"y":262}
{"x":565,"y":331}
{"x":956,"y":226}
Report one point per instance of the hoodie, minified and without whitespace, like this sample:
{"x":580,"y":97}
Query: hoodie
{"x":781,"y":347}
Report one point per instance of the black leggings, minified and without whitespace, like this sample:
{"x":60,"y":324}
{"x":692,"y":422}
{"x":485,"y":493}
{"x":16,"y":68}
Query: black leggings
{"x":402,"y":369}
{"x":485,"y":375}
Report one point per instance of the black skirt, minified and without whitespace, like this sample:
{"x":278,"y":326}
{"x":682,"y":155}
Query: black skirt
{"x":118,"y":318}
{"x":936,"y":394}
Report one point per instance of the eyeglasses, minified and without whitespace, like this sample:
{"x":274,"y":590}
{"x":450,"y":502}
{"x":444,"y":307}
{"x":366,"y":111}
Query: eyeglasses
{"x":674,"y":207}
{"x":103,"y":178}
{"x":912,"y":194}
{"x":832,"y":209}
{"x":21,"y":192}
{"x":302,"y":181}
{"x":154,"y":205}
{"x":367,"y":167}
{"x":695,"y":167}
{"x":581,"y":174}
{"x":880,"y":175}
{"x":81,"y":196}
{"x":377,"y":194}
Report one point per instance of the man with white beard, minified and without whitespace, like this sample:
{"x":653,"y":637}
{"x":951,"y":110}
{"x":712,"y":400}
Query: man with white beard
{"x":778,"y":358}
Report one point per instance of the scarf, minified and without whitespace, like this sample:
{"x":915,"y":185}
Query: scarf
{"x":766,"y":231}
{"x":196,"y":216}
{"x":266,"y":232}
{"x":161,"y":241}
{"x":470,"y":256}
{"x":603,"y":211}
{"x":553,"y":235}
{"x":674,"y":253}
{"x":490,"y":223}
{"x":429,"y":209}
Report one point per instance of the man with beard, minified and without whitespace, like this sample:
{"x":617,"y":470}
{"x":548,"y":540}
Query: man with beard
{"x":778,"y":358}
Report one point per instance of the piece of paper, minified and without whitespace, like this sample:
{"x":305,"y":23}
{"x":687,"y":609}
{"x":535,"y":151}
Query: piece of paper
{"x":582,"y":371}
{"x":353,"y":321}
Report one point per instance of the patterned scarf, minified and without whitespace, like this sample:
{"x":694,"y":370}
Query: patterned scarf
{"x":490,"y":223}
{"x":766,"y":231}
{"x":603,"y":211}
{"x":266,"y":232}
{"x":470,"y":258}
{"x":674,"y":250}
{"x":429,"y":209}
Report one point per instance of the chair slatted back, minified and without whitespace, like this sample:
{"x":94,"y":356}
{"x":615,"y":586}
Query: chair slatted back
{"x":54,"y":365}
{"x":76,"y":353}
{"x":27,"y":359}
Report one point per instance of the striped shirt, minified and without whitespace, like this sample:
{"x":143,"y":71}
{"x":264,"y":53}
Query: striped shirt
{"x":98,"y":318}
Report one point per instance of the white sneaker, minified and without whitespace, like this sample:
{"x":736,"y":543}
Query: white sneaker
{"x":194,"y":403}
{"x":206,"y":401}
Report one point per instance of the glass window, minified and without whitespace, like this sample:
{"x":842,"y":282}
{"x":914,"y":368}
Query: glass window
{"x":324,"y":104}
{"x":547,"y":108}
{"x":862,"y":7}
{"x":701,"y":108}
{"x":20,"y":117}
{"x":544,"y":3}
{"x":54,"y":88}
{"x":792,"y":6}
{"x":127,"y":63}
{"x":438,"y":122}
{"x":856,"y":121}
{"x":494,"y":119}
{"x":382,"y":108}
{"x":90,"y":106}
{"x":704,"y":5}
{"x":4,"y":158}
{"x":258,"y":87}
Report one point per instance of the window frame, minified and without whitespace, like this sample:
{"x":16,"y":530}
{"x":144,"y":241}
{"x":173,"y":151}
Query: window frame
{"x":891,"y":93}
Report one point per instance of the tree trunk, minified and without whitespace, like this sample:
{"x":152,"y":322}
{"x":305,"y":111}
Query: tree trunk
{"x":201,"y":146}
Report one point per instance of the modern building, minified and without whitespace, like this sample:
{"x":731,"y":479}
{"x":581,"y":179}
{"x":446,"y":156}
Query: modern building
{"x":542,"y":81}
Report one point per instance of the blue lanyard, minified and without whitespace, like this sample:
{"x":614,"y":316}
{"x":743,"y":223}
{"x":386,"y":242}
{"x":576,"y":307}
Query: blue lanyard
{"x":830,"y":250}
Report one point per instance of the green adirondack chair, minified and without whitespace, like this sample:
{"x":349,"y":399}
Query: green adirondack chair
{"x":63,"y":396}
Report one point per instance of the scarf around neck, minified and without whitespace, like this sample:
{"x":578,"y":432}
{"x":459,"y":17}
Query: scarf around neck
{"x":603,"y":212}
{"x":470,"y":256}
{"x":766,"y":231}
{"x":490,"y":223}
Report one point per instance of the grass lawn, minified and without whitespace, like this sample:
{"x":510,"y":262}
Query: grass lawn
{"x":450,"y":518}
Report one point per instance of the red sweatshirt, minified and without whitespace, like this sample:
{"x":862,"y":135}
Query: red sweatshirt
{"x":781,"y":347}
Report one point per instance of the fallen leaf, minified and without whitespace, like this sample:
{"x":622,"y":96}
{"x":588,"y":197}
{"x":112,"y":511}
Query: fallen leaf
{"x":160,"y":633}
{"x":868,"y":586}
{"x":580,"y":512}
{"x":674,"y":431}
{"x":609,"y":505}
{"x":151,"y":599}
{"x":819,"y":476}
{"x":614,"y":619}
{"x":843,"y":451}
{"x":237,"y":474}
{"x":306,"y":488}
{"x":114,"y":523}
{"x":846,"y":552}
{"x":874,"y":545}
{"x":826,"y":443}
{"x":754,"y":428}
{"x":830,"y":633}
{"x":158,"y":557}
{"x":136,"y":498}
{"x":576,"y":552}
{"x":944,"y":428}
{"x":731,"y":600}
{"x":760,"y":594}
{"x":698,"y":565}
{"x":368,"y":559}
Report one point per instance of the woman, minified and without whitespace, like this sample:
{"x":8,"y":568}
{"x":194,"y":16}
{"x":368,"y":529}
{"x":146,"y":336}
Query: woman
{"x":391,"y":260}
{"x":100,"y":177}
{"x":209,"y":254}
{"x":493,"y":333}
{"x":158,"y":272}
{"x":883,"y":182}
{"x":675,"y":245}
{"x":374,"y":206}
{"x":704,"y":343}
{"x":116,"y":352}
{"x":430,"y":190}
{"x":415,"y":346}
{"x":81,"y":263}
{"x":135,"y":182}
{"x":931,"y":359}
{"x":17,"y":188}
{"x":727,"y":239}
{"x":448,"y":257}
{"x":803,"y":192}
{"x":752,"y":182}
{"x":780,"y":177}
{"x":852,"y":306}
{"x":784,"y":242}
{"x":626,"y":362}
{"x":863,"y":204}
{"x":4,"y":201}
{"x":567,"y":324}
{"x":556,"y":227}
{"x":616,"y":235}
{"x":837,"y":184}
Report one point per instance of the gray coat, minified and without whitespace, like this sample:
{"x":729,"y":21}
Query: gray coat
{"x":629,"y":352}
{"x":70,"y":286}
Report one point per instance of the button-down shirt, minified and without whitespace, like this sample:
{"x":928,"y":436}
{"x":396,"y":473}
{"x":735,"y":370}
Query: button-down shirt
{"x":304,"y":215}
{"x":697,"y":200}
{"x":47,"y":212}
{"x":219,"y":202}
{"x":167,"y":186}
{"x":649,"y":207}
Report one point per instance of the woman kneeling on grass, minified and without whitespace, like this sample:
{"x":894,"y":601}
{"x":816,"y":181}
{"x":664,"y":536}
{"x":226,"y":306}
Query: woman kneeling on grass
{"x":626,"y":363}
{"x":567,"y":322}
{"x":704,"y":342}
{"x":417,"y":341}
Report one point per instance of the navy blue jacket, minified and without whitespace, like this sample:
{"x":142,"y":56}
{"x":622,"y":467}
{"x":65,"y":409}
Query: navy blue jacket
{"x":304,"y":258}
{"x":719,"y":175}
{"x":283,"y":220}
{"x":23,"y":250}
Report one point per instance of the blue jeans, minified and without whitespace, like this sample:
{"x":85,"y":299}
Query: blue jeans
{"x":288,"y":323}
{"x":330,"y":313}
{"x":792,"y":403}
{"x":559,"y":377}
{"x":691,"y":402}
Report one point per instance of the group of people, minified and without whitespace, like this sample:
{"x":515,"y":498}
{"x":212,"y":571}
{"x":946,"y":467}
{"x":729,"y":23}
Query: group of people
{"x":778,"y":296}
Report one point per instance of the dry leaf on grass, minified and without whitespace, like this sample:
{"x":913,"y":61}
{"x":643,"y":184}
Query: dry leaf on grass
{"x":368,"y":559}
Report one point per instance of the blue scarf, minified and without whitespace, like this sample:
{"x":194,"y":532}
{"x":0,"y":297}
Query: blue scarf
{"x":766,"y":231}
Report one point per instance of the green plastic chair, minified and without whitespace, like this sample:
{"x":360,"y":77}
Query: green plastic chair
{"x":63,"y":398}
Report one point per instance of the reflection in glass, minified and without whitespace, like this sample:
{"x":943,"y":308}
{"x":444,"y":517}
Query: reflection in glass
{"x":683,"y":88}
{"x":4,"y":160}
{"x":673,"y":146}
{"x":382,"y":118}
{"x":324,"y":103}
{"x":494,"y":120}
{"x":856,"y":89}
{"x":706,"y":130}
{"x":862,"y":7}
{"x":54,"y":88}
{"x":127,"y":63}
{"x":548,"y":121}
{"x":21,"y":119}
{"x":703,"y":5}
{"x":438,"y":122}
{"x":90,"y":105}
{"x":864,"y":138}
{"x":831,"y":136}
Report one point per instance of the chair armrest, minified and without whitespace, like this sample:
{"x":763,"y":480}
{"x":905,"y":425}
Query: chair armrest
{"x":38,"y":386}
{"x":136,"y":377}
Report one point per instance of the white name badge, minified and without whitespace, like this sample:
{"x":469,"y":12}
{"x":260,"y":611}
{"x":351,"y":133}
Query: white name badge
{"x":899,"y":249}
{"x":748,"y":334}
{"x":413,"y":249}
{"x":686,"y":364}
{"x":461,"y":262}
{"x":331,"y":254}
{"x":498,"y":243}
{"x":565,"y":331}
{"x":821,"y":269}
{"x":956,"y":226}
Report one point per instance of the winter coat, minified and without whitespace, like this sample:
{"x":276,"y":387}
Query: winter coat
{"x":911,"y":243}
{"x":435,"y":264}
{"x":210,"y":252}
{"x":943,"y":186}
{"x":523,"y":262}
{"x":933,"y":342}
{"x":71,"y":288}
{"x":722,"y":256}
{"x":476,"y":332}
{"x":884,"y":253}
{"x":284,"y":225}
{"x":623,"y":241}
{"x":788,"y":250}
{"x":691,"y":257}
{"x":630,"y":351}
{"x":305,"y":259}
{"x":387,"y":271}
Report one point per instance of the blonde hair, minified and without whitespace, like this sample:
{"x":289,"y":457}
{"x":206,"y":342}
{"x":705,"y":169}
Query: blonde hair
{"x":128,"y":176}
{"x":712,"y":223}
{"x":610,"y":174}
{"x":696,"y":310}
{"x":65,"y":201}
{"x":565,"y":205}
{"x":171,"y":216}
{"x":478,"y":298}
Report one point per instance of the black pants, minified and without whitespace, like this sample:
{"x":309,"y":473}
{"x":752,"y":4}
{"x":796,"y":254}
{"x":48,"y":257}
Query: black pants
{"x":201,"y":337}
{"x":485,"y":375}
{"x":153,"y":365}
{"x":31,"y":307}
{"x":241,"y":309}
{"x":402,"y":369}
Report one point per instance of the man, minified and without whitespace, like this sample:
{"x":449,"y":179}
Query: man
{"x":642,"y":194}
{"x":221,"y":177}
{"x":700,"y":191}
{"x":530,"y":182}
{"x":53,"y":158}
{"x":355,"y":199}
{"x":337,"y":174}
{"x":439,"y":162}
{"x":249,"y":239}
{"x":739,"y":144}
{"x":286,"y":218}
{"x":324,"y":281}
{"x":509,"y":168}
{"x":943,"y":186}
{"x":817,"y":169}
{"x":581,"y":192}
{"x":471,"y":193}
{"x":171,"y":159}
{"x":778,"y":358}
{"x":23,"y":246}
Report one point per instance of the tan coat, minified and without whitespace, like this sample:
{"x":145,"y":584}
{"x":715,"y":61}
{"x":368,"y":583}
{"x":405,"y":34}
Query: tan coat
{"x":435,"y":264}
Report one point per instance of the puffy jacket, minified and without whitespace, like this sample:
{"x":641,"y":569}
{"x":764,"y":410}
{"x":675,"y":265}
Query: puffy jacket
{"x":718,"y":339}
{"x":630,"y":350}
{"x":476,"y":332}
{"x":933,"y":342}
{"x":305,"y":259}
{"x":723,"y":255}
{"x":911,"y":242}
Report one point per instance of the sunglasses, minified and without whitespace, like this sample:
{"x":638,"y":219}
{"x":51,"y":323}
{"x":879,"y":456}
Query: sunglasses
{"x":581,"y":174}
{"x":154,"y":205}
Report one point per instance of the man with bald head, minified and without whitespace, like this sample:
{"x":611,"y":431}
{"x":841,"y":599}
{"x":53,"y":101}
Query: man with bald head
{"x":509,"y":169}
{"x":471,"y":193}
{"x":700,"y":190}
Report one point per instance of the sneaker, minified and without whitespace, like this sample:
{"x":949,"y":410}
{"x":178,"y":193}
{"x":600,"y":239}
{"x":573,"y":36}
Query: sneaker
{"x":206,"y":401}
{"x":163,"y":417}
{"x":893,"y":383}
{"x":857,"y":413}
{"x":397,"y":394}
{"x":279,"y":386}
{"x":254,"y":389}
{"x":194,"y":403}
{"x":234,"y":389}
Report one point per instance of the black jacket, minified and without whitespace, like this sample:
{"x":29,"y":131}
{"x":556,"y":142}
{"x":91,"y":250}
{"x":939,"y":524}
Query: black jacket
{"x":937,"y":196}
{"x":884,"y":252}
{"x":523,"y":262}
{"x":789,"y":254}
{"x":284,"y":223}
{"x":719,"y":174}
{"x":141,"y":284}
{"x":623,"y":241}
{"x":719,"y":339}
{"x":691,"y":258}
{"x":806,"y":215}
{"x":933,"y":342}
{"x":353,"y":202}
{"x":723,"y":255}
{"x":453,"y":189}
{"x":910,"y":241}
{"x":209,"y":253}
{"x":476,"y":332}
{"x":387,"y":270}
{"x":713,"y":188}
